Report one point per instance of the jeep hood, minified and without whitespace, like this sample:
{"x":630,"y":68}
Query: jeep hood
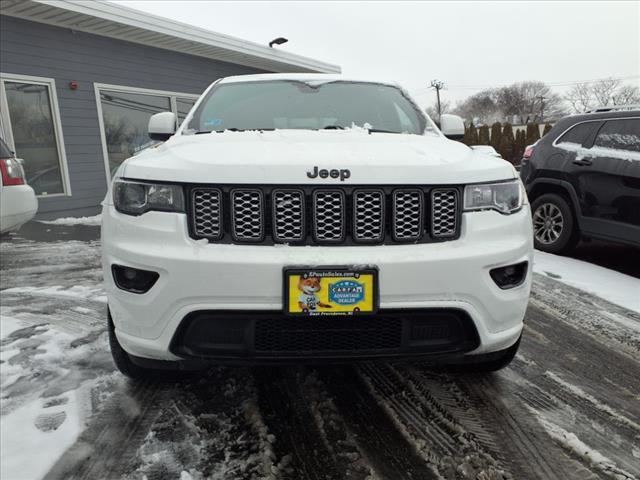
{"x":285,"y":157}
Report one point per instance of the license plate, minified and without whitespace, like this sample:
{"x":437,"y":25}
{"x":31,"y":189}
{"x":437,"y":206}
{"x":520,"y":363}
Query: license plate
{"x":330,"y":291}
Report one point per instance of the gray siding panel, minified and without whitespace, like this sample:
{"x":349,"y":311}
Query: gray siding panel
{"x":30,"y":48}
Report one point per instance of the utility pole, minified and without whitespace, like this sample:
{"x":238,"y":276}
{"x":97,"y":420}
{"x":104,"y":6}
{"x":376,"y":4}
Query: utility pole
{"x":542,"y":99}
{"x":438,"y":85}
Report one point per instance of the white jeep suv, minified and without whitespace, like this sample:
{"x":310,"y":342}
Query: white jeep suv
{"x":297,"y":218}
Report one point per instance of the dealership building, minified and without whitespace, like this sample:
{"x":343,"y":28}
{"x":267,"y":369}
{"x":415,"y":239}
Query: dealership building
{"x":79,"y":81}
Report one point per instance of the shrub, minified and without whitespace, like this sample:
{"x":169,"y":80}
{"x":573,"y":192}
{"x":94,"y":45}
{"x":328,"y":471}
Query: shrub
{"x":507,"y":143}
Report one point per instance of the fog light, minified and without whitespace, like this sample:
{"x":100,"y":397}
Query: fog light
{"x":133,"y":280}
{"x":510,"y":276}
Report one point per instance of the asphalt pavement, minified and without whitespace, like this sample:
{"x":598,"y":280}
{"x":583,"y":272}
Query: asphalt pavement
{"x":568,"y":406}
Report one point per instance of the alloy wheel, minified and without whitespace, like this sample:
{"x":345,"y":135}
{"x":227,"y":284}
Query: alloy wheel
{"x":548,"y":223}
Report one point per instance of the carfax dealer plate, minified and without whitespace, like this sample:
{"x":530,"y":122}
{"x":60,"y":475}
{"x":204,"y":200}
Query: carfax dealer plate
{"x":330,"y":291}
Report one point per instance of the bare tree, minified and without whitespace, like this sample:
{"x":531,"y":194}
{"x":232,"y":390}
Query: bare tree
{"x":583,"y":97}
{"x":580,"y":98}
{"x":529,"y":101}
{"x":432,"y":110}
{"x":626,"y":95}
{"x":604,"y":90}
{"x":480,"y":108}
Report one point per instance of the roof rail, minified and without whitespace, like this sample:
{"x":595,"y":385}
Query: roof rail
{"x":614,"y":108}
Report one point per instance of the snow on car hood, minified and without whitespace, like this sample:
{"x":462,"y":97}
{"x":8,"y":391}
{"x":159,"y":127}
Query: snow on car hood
{"x":285,"y":156}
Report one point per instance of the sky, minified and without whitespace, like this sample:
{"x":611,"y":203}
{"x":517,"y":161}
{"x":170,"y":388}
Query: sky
{"x":467,"y":45}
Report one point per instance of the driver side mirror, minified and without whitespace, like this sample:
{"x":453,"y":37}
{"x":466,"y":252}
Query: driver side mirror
{"x":452,"y":126}
{"x":162,"y":126}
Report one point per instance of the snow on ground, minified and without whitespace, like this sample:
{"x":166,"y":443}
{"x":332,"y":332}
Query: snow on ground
{"x":615,"y":287}
{"x":46,"y":424}
{"x":76,"y":291}
{"x":575,"y":445}
{"x":95,"y":220}
{"x":46,"y":428}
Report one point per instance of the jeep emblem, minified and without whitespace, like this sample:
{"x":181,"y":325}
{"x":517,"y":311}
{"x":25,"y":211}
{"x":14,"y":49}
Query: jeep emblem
{"x":342,"y":174}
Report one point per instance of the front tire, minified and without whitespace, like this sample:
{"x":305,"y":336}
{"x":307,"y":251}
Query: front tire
{"x":554,"y":226}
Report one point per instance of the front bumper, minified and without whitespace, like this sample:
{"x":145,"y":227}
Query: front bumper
{"x":197,"y":276}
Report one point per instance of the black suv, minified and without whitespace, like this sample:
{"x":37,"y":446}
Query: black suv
{"x":583,"y":179}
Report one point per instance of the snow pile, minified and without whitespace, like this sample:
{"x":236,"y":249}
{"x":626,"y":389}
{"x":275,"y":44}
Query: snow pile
{"x":90,"y":221}
{"x":44,"y":424}
{"x":614,"y":287}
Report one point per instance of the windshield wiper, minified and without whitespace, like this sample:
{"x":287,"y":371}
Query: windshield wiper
{"x":333,"y":127}
{"x":380,"y":130}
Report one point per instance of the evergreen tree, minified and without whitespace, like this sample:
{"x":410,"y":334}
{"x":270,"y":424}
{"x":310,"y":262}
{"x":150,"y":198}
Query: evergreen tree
{"x":547,"y":127}
{"x":483,"y":135}
{"x":519,"y":145}
{"x":507,"y":143}
{"x":533,"y":133}
{"x":473,"y":135}
{"x":466,"y":140}
{"x":496,"y":134}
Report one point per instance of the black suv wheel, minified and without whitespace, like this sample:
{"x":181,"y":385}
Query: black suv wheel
{"x":554,"y":226}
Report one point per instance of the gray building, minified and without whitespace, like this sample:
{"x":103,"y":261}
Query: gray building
{"x":79,"y":81}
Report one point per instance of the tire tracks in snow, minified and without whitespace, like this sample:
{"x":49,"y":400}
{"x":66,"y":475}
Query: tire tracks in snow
{"x":451,"y":440}
{"x":391,"y":454}
{"x":581,"y":387}
{"x":108,"y":447}
{"x":296,"y":438}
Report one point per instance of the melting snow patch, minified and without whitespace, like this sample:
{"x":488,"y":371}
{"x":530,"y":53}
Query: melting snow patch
{"x":571,"y":442}
{"x":77,"y":291}
{"x":44,"y":432}
{"x":91,"y":221}
{"x":615,"y":287}
{"x":578,"y":392}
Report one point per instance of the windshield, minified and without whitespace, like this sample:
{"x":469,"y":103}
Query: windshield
{"x":285,"y":104}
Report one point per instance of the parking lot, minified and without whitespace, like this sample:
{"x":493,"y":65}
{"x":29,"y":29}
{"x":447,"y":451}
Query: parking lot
{"x":567,"y":407}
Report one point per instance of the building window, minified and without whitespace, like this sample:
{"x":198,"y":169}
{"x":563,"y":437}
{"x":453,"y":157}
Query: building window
{"x":183,"y":106}
{"x":125,"y":113}
{"x":31,"y":124}
{"x":125,"y":117}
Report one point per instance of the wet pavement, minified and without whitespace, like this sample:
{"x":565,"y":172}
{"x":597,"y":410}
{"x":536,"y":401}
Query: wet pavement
{"x":567,"y":407}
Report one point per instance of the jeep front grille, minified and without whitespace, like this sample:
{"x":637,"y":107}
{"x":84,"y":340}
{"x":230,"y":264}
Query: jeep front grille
{"x":288,"y":215}
{"x":247,"y":217}
{"x":368,"y":215}
{"x":328,"y":215}
{"x":324,"y":215}
{"x":444,"y":209}
{"x":208,"y":222}
{"x":408,"y":216}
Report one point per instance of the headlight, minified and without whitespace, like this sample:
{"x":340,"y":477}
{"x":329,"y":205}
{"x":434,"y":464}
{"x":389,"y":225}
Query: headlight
{"x":136,"y":198}
{"x":504,"y":197}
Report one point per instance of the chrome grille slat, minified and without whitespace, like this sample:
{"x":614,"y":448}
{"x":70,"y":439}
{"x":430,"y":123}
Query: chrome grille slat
{"x":288,"y":215}
{"x":444,"y":212}
{"x":368,"y":215}
{"x":247,"y":214}
{"x":329,"y":215}
{"x":207,"y":206}
{"x":408,"y":216}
